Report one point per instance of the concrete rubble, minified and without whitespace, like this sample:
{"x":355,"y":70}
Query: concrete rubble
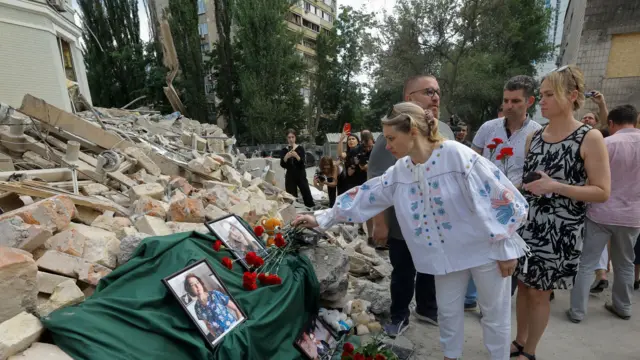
{"x":75,"y":203}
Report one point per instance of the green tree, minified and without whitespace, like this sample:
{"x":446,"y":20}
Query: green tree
{"x":183,"y":20}
{"x":269,"y":70}
{"x":473,"y":47}
{"x":338,"y":96}
{"x":113,"y":51}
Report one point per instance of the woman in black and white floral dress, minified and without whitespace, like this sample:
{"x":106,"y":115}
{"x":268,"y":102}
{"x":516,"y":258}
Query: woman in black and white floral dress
{"x":564,"y":154}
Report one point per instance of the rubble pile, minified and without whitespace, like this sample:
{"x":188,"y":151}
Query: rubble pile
{"x":79,"y":192}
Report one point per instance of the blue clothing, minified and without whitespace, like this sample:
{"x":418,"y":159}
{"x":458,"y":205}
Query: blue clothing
{"x":216,"y":313}
{"x":472,"y":294}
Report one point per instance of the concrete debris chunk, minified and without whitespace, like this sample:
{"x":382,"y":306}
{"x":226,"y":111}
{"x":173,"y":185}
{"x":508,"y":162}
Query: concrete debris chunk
{"x":155,"y":191}
{"x":94,"y":189}
{"x":69,"y":241}
{"x":65,"y":294}
{"x":18,"y":282}
{"x":16,"y":233}
{"x":151,"y":207}
{"x":143,"y":160}
{"x":100,"y":247}
{"x":42,"y":351}
{"x":152,"y":226}
{"x":18,"y":333}
{"x":47,"y":282}
{"x":53,"y":213}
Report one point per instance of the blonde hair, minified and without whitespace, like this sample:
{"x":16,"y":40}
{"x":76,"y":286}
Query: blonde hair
{"x":565,"y":81}
{"x":407,"y":115}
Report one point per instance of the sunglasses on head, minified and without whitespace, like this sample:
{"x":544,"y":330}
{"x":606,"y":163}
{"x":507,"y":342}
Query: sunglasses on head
{"x":566,"y":67}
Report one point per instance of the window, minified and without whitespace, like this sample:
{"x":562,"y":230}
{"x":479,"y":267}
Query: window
{"x":310,"y":25}
{"x":201,"y":8}
{"x":294,"y":18}
{"x":204,"y":47}
{"x":203,"y":29}
{"x":327,"y":17}
{"x":310,"y":43}
{"x":624,"y":48}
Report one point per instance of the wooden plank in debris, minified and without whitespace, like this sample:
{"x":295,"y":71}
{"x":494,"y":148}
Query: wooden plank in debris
{"x":90,"y":202}
{"x":60,"y":174}
{"x":59,"y":118}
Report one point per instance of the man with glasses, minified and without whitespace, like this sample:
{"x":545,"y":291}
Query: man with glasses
{"x":424,"y":91}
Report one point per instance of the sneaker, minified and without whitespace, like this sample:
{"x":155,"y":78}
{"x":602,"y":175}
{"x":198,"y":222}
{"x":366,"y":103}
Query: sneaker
{"x":600,"y":286}
{"x":433,"y":320}
{"x":471,"y":307}
{"x":571,"y":318}
{"x":394,"y":329}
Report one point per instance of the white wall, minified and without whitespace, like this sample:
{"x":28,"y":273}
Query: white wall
{"x":30,"y":60}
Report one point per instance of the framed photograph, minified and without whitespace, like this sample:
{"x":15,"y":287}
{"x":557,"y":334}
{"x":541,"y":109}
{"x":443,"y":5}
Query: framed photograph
{"x":316,"y":341}
{"x":235,"y":235}
{"x":206,"y":300}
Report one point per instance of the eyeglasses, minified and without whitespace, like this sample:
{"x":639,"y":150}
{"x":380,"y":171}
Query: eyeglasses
{"x":430,"y":92}
{"x":566,"y":67}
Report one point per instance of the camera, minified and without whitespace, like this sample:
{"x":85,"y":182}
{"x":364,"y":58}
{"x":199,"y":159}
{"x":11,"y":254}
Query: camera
{"x":589,"y":94}
{"x":362,"y":158}
{"x":322,"y":177}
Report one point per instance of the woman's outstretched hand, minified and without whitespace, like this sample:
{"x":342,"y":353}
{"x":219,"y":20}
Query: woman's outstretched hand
{"x":308,"y":221}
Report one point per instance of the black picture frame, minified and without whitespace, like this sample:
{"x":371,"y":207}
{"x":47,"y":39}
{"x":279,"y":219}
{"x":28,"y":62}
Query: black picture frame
{"x":204,"y":272}
{"x":323,"y":347}
{"x":217,"y":227}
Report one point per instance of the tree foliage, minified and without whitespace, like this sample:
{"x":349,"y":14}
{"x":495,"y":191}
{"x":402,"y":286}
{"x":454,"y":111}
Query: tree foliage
{"x":472,"y":46}
{"x":338,"y":95}
{"x":113,"y":51}
{"x":183,"y":21}
{"x":269,"y":70}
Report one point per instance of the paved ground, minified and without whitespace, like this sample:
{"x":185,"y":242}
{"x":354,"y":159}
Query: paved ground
{"x":600,"y":336}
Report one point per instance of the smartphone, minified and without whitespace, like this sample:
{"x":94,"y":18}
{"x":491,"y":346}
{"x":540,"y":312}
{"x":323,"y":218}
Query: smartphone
{"x":589,"y":94}
{"x":347,"y":128}
{"x":531,"y":177}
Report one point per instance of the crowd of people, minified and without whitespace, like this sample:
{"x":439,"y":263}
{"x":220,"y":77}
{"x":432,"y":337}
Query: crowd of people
{"x":521,"y":209}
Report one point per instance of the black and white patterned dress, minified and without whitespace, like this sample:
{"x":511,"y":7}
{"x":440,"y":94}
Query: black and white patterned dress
{"x":555,"y":227}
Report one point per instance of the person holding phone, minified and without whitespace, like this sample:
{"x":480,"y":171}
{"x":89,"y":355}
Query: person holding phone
{"x":327,"y":175}
{"x":292,"y":159}
{"x":348,"y":176}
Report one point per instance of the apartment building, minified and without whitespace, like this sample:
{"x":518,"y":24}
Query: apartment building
{"x":40,"y":52}
{"x":602,"y":37}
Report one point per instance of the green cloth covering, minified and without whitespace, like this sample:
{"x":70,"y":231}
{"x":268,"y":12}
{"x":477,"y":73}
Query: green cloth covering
{"x":132,"y":315}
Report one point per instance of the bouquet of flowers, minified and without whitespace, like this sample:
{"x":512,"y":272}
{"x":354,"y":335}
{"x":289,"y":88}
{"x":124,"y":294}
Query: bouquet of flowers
{"x":264,"y":269}
{"x":374,"y":350}
{"x":503,"y":155}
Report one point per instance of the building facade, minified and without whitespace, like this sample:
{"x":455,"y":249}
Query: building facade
{"x":554,"y":36}
{"x":40,"y":52}
{"x":602,"y":37}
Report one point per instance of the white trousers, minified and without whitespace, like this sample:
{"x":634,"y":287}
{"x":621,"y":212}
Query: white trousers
{"x":494,"y":299}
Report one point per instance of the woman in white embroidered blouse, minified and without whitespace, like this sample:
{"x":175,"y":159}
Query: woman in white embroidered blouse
{"x":459,"y":215}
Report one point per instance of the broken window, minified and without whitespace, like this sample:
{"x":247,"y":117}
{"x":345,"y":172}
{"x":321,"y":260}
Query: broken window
{"x":67,"y":59}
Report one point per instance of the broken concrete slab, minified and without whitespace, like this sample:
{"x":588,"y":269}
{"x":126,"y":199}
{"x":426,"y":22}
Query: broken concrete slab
{"x":128,"y":245}
{"x":18,"y":333}
{"x":232,"y":175}
{"x":69,"y":241}
{"x":152,"y":207}
{"x":331,"y":265}
{"x":53,"y":213}
{"x":186,"y":210}
{"x":181,"y":184}
{"x":213,"y":212}
{"x":42,"y":351}
{"x":100,"y":247}
{"x":18,"y":282}
{"x":65,"y":294}
{"x":72,"y":266}
{"x":47,"y":282}
{"x":143,"y":160}
{"x":178,"y":227}
{"x":16,"y":233}
{"x":94,"y":189}
{"x":40,"y":162}
{"x":111,"y":223}
{"x":155,"y":191}
{"x":152,"y":225}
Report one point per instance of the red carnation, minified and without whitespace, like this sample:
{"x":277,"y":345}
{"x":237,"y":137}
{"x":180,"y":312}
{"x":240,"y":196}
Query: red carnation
{"x":250,"y":286}
{"x":380,"y":357}
{"x":250,"y":257}
{"x":348,"y":347}
{"x":279,"y":241}
{"x":275,"y":280}
{"x":259,"y":261}
{"x":499,"y":157}
{"x":497,"y":141}
{"x":227,"y":262}
{"x":258,"y":230}
{"x":262,"y":277}
{"x":492,"y":146}
{"x":217,"y":245}
{"x":506,"y":151}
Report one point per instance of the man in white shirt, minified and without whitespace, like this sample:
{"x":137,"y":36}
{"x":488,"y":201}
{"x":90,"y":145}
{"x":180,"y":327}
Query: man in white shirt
{"x":513,"y":130}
